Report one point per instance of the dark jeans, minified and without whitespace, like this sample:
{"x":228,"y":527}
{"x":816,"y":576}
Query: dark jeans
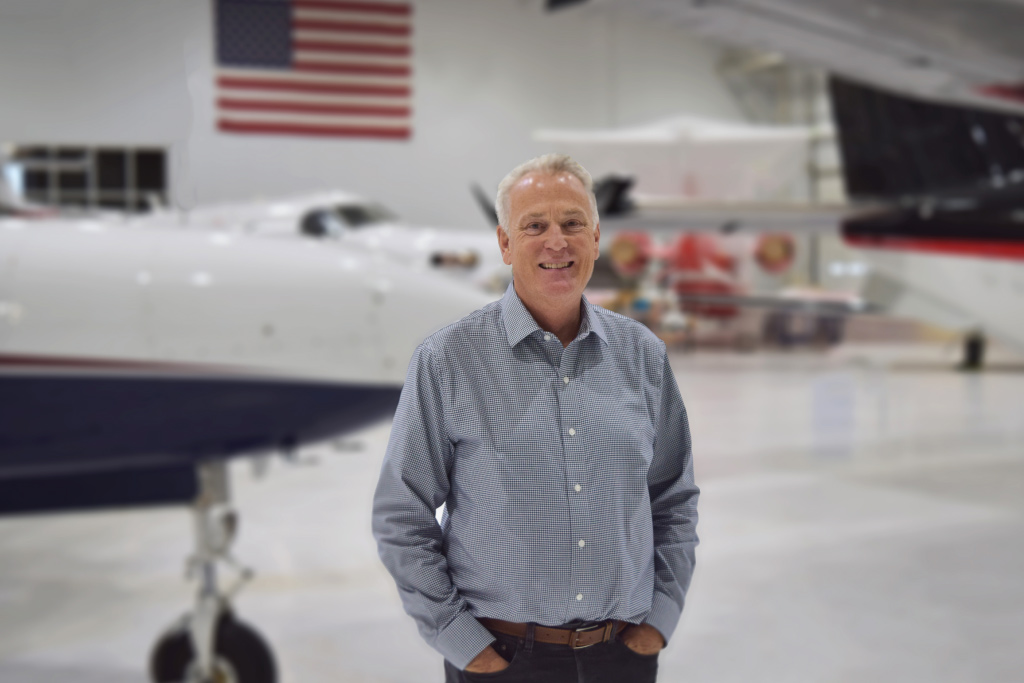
{"x":610,"y":662}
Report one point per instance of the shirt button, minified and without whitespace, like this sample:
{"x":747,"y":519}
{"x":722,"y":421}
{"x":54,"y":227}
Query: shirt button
{"x":579,"y":596}
{"x":547,"y":337}
{"x":578,"y":488}
{"x":582,"y":543}
{"x":565,"y":379}
{"x":572,"y":432}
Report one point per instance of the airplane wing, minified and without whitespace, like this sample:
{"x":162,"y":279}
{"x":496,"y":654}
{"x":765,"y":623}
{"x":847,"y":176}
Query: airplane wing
{"x":670,"y":215}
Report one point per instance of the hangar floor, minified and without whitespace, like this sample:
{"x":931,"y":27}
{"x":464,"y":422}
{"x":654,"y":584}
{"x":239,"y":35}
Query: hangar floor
{"x":862,"y":519}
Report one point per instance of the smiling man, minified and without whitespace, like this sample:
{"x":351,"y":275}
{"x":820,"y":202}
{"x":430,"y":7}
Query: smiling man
{"x":553,"y":434}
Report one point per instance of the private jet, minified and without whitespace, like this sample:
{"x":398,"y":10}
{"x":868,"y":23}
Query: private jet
{"x":134,"y":363}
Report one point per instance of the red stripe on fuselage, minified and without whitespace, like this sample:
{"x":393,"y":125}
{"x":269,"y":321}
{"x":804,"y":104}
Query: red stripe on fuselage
{"x":997,"y":250}
{"x":1012,"y":92}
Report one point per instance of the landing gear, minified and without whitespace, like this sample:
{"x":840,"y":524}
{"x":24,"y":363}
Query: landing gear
{"x":974,"y":351}
{"x":209,"y":645}
{"x":240,"y":655}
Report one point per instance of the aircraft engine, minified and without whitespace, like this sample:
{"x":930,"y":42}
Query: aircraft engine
{"x":630,"y":253}
{"x":775,"y":252}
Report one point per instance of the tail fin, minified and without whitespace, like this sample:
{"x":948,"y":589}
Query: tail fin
{"x":896,"y":147}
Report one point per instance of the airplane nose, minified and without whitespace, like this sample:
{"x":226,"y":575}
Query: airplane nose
{"x":411,"y":305}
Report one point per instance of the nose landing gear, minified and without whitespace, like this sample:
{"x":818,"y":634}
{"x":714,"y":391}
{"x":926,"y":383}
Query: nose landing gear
{"x":238,"y":655}
{"x":209,"y":645}
{"x":974,"y":351}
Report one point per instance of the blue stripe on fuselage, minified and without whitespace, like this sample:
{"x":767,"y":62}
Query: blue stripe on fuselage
{"x":52,"y":423}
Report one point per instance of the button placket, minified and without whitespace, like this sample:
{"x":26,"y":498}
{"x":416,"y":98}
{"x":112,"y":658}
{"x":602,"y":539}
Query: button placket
{"x":571,"y":409}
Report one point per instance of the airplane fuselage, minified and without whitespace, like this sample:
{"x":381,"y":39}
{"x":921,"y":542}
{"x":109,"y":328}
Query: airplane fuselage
{"x":122,"y":347}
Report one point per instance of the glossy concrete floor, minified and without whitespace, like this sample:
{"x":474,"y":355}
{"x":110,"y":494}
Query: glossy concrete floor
{"x":862,"y":519}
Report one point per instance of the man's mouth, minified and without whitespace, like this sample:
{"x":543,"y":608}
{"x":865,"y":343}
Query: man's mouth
{"x":556,"y":266}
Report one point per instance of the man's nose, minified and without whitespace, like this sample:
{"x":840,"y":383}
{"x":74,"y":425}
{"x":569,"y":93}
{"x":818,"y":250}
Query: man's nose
{"x":555,"y":240}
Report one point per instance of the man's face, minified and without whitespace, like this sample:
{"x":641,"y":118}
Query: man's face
{"x":552,"y":238}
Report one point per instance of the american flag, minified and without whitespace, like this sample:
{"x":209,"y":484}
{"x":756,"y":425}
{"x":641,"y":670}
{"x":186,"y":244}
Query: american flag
{"x":314,"y":67}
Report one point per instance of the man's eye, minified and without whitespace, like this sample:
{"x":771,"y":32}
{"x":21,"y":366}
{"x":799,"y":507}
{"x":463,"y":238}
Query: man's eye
{"x":534,"y":227}
{"x":573,"y":225}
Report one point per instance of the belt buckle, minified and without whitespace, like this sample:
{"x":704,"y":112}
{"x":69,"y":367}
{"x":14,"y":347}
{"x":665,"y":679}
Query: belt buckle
{"x":574,"y":638}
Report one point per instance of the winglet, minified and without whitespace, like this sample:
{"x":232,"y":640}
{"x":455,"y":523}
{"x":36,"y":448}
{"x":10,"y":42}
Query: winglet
{"x":485,"y":204}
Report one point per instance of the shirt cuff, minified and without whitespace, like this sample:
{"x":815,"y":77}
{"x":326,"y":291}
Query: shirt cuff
{"x":462,"y":640}
{"x":664,"y":615}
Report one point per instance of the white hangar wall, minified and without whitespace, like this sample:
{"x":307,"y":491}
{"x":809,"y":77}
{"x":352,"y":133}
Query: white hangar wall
{"x":486,"y":74}
{"x":103,"y":71}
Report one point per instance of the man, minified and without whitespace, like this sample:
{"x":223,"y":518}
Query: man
{"x":553,"y":433}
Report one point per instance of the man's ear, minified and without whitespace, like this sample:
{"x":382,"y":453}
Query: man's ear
{"x":503,"y":243}
{"x":597,"y":241}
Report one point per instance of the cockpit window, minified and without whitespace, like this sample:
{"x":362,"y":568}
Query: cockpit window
{"x":321,"y":223}
{"x":358,"y":215}
{"x":334,"y":222}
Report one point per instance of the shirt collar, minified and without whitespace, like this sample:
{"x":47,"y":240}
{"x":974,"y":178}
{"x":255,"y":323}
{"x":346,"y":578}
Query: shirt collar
{"x":519,"y":323}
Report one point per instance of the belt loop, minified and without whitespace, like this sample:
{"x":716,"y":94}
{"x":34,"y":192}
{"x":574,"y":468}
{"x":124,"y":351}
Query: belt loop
{"x":530,"y":627}
{"x":616,"y":625}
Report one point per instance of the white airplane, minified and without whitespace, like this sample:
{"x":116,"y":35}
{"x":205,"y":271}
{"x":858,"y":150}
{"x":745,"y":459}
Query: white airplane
{"x":133,"y":363}
{"x":468,"y":255}
{"x":942,"y":245}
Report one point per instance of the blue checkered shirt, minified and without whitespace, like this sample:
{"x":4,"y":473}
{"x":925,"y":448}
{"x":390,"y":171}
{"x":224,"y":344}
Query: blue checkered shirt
{"x":565,"y":475}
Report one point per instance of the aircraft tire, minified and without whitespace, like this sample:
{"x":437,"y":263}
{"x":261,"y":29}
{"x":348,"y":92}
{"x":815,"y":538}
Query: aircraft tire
{"x":242,"y":655}
{"x":974,"y":352}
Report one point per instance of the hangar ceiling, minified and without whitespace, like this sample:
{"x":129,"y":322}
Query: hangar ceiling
{"x":947,"y":49}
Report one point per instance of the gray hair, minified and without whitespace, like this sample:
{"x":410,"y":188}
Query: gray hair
{"x":548,"y":163}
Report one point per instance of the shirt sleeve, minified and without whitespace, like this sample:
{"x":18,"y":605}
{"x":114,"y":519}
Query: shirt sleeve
{"x":413,"y":484}
{"x":674,"y":507}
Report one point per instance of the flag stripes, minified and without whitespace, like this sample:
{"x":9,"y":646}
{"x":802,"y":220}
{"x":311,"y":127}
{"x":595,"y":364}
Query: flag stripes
{"x":346,"y":72}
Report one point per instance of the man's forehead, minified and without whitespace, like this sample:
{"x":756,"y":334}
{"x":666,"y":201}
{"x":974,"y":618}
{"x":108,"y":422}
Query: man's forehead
{"x":566,"y":190}
{"x":542,"y":179}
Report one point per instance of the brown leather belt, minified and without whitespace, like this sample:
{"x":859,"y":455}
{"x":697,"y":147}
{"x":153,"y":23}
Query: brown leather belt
{"x":574,"y":638}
